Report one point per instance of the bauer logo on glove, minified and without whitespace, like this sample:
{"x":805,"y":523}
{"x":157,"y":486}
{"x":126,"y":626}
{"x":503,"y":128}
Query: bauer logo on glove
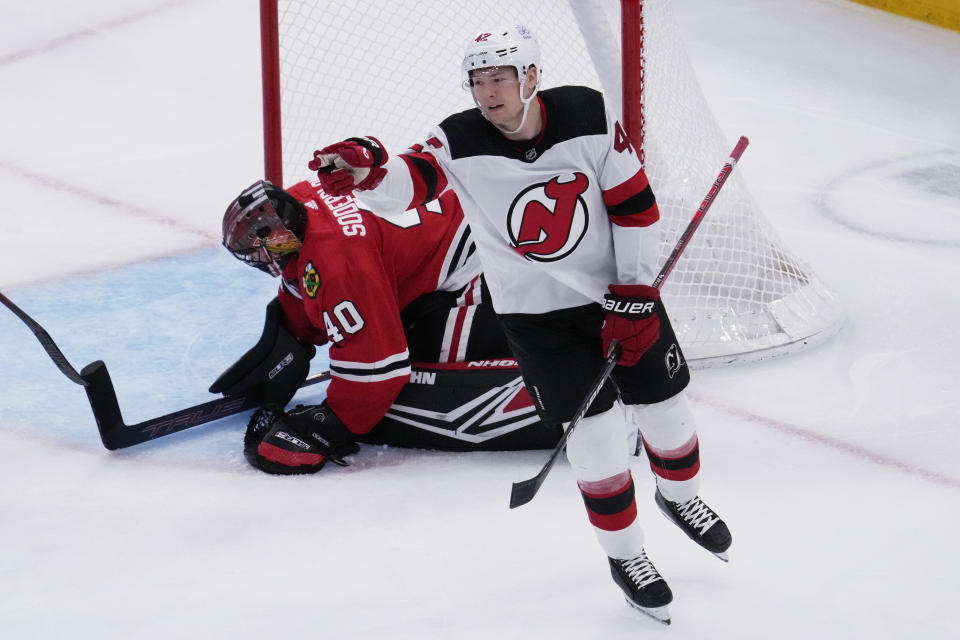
{"x":631,"y":318}
{"x":627,"y":308}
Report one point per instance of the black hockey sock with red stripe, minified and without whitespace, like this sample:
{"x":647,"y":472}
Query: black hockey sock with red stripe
{"x":678,"y":464}
{"x":613,"y":510}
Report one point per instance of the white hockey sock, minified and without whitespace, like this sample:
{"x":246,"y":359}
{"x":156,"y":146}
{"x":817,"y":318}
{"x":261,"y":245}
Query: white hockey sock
{"x":612,"y":510}
{"x":599,"y":455}
{"x":670,"y":439}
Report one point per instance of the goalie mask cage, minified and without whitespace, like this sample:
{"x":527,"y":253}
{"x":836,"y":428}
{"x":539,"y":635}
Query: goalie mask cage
{"x":391,"y":68}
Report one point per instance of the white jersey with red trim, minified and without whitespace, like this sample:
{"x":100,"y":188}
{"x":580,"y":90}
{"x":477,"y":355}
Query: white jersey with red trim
{"x":556,"y":219}
{"x":354,"y":274}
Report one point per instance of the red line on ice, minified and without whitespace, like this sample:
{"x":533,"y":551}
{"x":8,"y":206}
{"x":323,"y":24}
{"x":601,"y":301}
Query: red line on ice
{"x":86,"y":32}
{"x":836,"y":444}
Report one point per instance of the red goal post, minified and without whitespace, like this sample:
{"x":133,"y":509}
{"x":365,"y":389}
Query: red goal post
{"x":391,"y":68}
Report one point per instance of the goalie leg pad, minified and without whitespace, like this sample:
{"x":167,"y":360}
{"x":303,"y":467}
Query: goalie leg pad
{"x":469,"y":406}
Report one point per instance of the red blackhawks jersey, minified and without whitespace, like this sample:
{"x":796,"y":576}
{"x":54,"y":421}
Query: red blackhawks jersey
{"x":354,"y":274}
{"x":556,"y":219}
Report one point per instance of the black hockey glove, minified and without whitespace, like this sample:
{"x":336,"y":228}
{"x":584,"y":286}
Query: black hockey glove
{"x":298,"y":441}
{"x":273,"y":370}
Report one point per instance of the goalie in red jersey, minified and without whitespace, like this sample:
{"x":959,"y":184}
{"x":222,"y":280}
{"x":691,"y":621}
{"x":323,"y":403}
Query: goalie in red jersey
{"x":417,"y":357}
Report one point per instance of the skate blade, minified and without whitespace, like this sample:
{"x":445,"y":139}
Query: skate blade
{"x":660,"y":614}
{"x":723,"y":555}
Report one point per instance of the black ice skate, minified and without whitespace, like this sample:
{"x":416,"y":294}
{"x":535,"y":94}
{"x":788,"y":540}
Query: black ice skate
{"x":644,"y":587}
{"x":699,"y":522}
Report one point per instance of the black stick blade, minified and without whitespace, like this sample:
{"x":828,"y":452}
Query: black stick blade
{"x":103,"y":402}
{"x":116,"y":434}
{"x":523,"y":492}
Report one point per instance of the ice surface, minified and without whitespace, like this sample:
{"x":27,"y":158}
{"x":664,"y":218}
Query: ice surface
{"x":127,"y":127}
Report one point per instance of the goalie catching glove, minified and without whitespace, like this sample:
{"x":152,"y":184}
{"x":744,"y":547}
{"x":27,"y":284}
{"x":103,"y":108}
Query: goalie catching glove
{"x":631,"y":318}
{"x":355,"y":163}
{"x":298,"y":441}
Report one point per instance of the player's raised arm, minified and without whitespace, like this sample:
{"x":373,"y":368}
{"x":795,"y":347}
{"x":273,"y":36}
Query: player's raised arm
{"x":391,"y":184}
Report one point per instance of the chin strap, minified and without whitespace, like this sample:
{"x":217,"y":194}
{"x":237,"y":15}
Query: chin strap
{"x":523,"y":120}
{"x":526,"y":107}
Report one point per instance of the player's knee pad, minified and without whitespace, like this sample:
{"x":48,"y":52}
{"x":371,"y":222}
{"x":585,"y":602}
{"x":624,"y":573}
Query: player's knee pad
{"x":597,"y":449}
{"x":670,"y":439}
{"x":666,"y":425}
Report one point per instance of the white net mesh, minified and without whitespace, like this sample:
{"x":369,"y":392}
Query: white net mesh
{"x":391,"y":68}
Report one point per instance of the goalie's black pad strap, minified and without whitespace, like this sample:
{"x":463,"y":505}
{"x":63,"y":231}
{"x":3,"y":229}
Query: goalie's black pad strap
{"x":273,"y":369}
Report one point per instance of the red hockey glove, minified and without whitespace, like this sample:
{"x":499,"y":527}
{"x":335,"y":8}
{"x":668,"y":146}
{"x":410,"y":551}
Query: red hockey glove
{"x":355,"y":163}
{"x":298,"y":441}
{"x":631,"y":319}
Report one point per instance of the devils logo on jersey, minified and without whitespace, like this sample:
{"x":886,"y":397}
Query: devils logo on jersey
{"x":548,"y":220}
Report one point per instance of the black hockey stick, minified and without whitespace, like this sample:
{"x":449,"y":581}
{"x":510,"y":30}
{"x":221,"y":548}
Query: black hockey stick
{"x":523,"y":492}
{"x":46,"y":341}
{"x":114,"y":432}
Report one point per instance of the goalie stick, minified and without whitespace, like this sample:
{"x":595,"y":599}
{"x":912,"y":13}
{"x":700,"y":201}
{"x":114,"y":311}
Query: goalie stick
{"x":524,"y":491}
{"x":114,"y":432}
{"x":46,"y":341}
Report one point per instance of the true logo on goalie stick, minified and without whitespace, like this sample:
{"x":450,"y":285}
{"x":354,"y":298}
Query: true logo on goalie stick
{"x":547,"y":221}
{"x":311,"y":280}
{"x":172,"y":425}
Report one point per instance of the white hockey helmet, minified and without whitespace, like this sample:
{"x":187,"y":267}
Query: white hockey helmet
{"x":512,"y":46}
{"x":509,"y":46}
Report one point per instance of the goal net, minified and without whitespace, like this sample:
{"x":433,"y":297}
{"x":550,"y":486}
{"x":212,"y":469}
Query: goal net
{"x":391,"y":68}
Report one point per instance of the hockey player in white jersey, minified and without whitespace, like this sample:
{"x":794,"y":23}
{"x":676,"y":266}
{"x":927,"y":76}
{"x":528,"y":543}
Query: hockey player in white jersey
{"x":566,"y":225}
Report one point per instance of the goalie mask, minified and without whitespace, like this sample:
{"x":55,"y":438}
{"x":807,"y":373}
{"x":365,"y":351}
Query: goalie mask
{"x":512,"y":46}
{"x":264,"y":226}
